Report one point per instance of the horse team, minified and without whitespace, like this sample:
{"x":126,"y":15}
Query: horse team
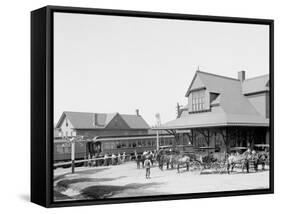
{"x":196,"y":162}
{"x":246,"y":160}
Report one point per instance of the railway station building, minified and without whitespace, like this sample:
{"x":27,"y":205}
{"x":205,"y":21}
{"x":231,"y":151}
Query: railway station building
{"x":223,"y":112}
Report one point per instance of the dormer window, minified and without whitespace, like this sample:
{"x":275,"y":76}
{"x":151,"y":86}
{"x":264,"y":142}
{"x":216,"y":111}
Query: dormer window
{"x":198,"y":100}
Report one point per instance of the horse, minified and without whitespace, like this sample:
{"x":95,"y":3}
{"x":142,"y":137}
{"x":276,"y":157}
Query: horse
{"x":168,"y":160}
{"x":181,"y":160}
{"x":262,"y":159}
{"x":242,"y":159}
{"x":259,"y":158}
{"x":163,"y":159}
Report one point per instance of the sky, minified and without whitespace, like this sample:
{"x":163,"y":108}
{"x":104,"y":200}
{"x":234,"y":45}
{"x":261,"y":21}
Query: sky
{"x":108,"y":64}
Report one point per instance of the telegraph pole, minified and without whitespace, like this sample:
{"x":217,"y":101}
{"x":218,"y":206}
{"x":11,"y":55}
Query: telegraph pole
{"x":72,"y":141}
{"x":157,"y":131}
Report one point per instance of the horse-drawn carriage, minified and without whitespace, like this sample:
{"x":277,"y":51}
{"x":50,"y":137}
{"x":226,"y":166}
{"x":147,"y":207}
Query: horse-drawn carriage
{"x":211,"y":159}
{"x":171,"y":157}
{"x":239,"y":157}
{"x":247,"y":159}
{"x":201,"y":158}
{"x":207,"y":158}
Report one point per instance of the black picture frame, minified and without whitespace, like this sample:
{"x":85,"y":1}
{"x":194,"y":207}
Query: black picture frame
{"x":42,"y":103}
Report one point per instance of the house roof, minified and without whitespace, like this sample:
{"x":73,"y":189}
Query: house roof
{"x":232,"y":107}
{"x":135,"y":122}
{"x":213,"y":82}
{"x":255,"y":85}
{"x":86,"y":120}
{"x":211,"y":119}
{"x":230,"y":96}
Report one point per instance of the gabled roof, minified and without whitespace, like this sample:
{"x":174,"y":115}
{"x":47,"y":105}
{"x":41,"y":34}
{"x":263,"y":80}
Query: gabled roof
{"x":86,"y":120}
{"x":256,"y":85}
{"x":135,"y":122}
{"x":230,"y":96}
{"x":213,"y":82}
{"x":234,"y":107}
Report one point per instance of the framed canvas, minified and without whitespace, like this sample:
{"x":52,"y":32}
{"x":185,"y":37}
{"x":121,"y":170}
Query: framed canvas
{"x":131,"y":106}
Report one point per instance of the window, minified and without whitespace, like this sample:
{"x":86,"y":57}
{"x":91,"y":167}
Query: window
{"x":112,"y":145}
{"x":198,"y":100}
{"x":66,"y":149}
{"x":118,"y":145}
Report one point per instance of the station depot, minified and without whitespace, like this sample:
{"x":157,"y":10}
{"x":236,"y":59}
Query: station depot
{"x":223,"y":113}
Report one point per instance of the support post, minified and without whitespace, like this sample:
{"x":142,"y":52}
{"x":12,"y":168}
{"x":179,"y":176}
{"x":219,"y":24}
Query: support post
{"x":226,"y":140}
{"x":72,"y":156}
{"x":157,"y":140}
{"x":208,"y":141}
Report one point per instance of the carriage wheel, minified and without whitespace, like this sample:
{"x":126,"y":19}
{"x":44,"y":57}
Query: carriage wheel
{"x":195,"y":166}
{"x":215,"y":167}
{"x":218,"y":167}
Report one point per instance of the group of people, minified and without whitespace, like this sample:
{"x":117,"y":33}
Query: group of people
{"x":146,"y":159}
{"x":107,"y":159}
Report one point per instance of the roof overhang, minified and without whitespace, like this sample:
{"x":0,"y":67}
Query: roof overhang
{"x":210,"y":120}
{"x":210,"y":126}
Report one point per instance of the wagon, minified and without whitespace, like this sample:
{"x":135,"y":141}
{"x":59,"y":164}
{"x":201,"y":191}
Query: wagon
{"x":210,"y":160}
{"x":263,"y":149}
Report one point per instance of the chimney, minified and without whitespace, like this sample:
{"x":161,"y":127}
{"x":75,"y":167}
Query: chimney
{"x":137,"y":112}
{"x":241,"y":75}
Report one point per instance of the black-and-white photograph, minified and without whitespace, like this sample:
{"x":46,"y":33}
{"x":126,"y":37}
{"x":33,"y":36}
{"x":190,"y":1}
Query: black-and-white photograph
{"x":153,"y":107}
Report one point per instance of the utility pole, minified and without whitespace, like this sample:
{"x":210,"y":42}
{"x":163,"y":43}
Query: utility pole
{"x":158,"y":120}
{"x":72,"y":141}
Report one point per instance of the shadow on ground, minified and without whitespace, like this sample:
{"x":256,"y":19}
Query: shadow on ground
{"x":95,"y":192}
{"x":65,"y":183}
{"x":108,"y":191}
{"x":86,"y":172}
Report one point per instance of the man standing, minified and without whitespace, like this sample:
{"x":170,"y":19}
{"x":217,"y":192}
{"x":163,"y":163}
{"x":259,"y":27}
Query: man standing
{"x":119,"y":158}
{"x":147,"y":165}
{"x":247,"y":156}
{"x":113,"y":157}
{"x":124,"y":157}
